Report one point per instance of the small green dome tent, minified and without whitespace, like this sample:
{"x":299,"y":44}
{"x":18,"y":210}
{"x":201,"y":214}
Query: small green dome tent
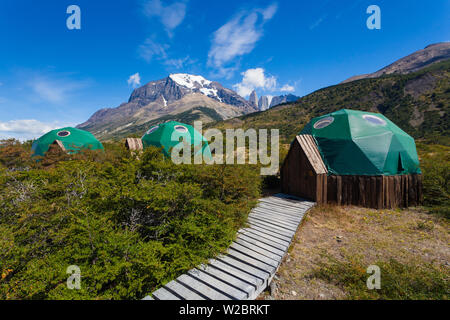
{"x":168,"y":135}
{"x":73,"y":140}
{"x":363,"y":143}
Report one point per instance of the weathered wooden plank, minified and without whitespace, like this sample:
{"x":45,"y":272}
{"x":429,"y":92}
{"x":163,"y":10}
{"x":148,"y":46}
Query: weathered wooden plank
{"x":251,"y":279}
{"x":267,"y":236}
{"x":274,"y":222}
{"x":285,"y":205}
{"x":256,"y":249}
{"x":276,"y":208}
{"x":184,"y":292}
{"x":274,"y":248}
{"x":270,"y":232}
{"x":232,"y":280}
{"x":251,"y":261}
{"x":277,"y":221}
{"x":292,"y":220}
{"x":263,"y":275}
{"x":288,"y":213}
{"x":271,"y":227}
{"x":295,"y":215}
{"x":164,"y":294}
{"x":253,"y":254}
{"x":284,"y":202}
{"x":218,"y":285}
{"x":202,"y":288}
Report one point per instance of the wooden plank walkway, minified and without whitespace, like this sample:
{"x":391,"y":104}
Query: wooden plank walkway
{"x":252,"y":259}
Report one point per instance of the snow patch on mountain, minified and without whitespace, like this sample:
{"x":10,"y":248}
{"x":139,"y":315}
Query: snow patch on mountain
{"x":190,"y":81}
{"x":195,"y":84}
{"x":212,"y":93}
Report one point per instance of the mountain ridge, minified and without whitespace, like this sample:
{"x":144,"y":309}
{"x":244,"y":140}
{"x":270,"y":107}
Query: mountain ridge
{"x":433,"y":53}
{"x":174,"y":94}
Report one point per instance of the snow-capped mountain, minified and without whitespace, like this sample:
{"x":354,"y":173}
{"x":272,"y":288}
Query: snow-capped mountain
{"x":169,"y":98}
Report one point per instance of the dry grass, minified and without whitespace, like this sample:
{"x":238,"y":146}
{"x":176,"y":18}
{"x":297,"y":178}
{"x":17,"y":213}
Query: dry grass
{"x":349,"y":239}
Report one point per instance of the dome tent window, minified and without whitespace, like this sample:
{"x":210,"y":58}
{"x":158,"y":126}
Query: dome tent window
{"x":181,"y":129}
{"x":152,"y":130}
{"x":63,"y":133}
{"x":374,"y":120}
{"x":323,"y":123}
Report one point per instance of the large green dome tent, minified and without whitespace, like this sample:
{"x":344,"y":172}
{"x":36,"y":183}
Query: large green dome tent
{"x":353,"y":158}
{"x":168,"y":135}
{"x":363,"y":143}
{"x":72,"y":139}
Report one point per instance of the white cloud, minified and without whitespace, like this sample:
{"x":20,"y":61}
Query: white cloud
{"x":171,"y":16}
{"x":55,"y":89}
{"x":26,"y":129}
{"x":255,"y":79}
{"x":270,"y":11}
{"x":134,"y":80}
{"x":150,"y":49}
{"x":238,"y":36}
{"x":287,"y":88}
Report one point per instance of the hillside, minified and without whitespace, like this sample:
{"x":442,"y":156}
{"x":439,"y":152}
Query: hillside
{"x":418,"y":102}
{"x":414,"y":62}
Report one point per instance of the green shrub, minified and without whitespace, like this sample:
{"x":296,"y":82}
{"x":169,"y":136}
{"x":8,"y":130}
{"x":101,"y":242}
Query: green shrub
{"x":435,"y":165}
{"x":131,"y":224}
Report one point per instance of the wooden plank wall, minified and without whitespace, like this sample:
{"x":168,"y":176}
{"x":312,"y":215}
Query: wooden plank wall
{"x":297,"y":176}
{"x":375,"y":191}
{"x":303,"y":173}
{"x":134,"y":144}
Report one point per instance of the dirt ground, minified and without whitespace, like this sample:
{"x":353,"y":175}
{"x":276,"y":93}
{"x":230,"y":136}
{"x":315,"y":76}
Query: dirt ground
{"x":341,"y":233}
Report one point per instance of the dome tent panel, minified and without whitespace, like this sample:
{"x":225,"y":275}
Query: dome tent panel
{"x":170,"y":134}
{"x":376,"y":149}
{"x":371,"y":133}
{"x":340,"y":163}
{"x":74,"y":140}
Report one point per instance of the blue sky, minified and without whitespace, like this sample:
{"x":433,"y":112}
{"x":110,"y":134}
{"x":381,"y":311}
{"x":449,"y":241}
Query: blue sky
{"x":51,"y":76}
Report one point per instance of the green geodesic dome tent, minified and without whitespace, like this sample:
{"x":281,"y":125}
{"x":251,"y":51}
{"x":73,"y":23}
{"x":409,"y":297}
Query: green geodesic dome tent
{"x":73,"y":140}
{"x":169,"y":134}
{"x":363,"y":143}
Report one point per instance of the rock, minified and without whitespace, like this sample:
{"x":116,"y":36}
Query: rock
{"x":283,"y":99}
{"x":253,"y":100}
{"x":273,"y":289}
{"x":294,"y":293}
{"x":263,"y":103}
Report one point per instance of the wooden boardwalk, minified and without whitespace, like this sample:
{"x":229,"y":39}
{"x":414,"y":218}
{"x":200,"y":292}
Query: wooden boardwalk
{"x":252,"y":259}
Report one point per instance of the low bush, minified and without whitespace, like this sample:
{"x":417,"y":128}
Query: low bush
{"x":130,"y":224}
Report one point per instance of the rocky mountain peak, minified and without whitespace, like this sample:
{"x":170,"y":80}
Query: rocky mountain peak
{"x":253,"y":98}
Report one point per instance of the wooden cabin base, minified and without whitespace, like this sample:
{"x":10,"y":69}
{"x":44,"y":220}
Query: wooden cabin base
{"x":304,"y":175}
{"x":379,"y":192}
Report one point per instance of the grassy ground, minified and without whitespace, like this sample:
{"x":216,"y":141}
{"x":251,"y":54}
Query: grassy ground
{"x":334,"y":246}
